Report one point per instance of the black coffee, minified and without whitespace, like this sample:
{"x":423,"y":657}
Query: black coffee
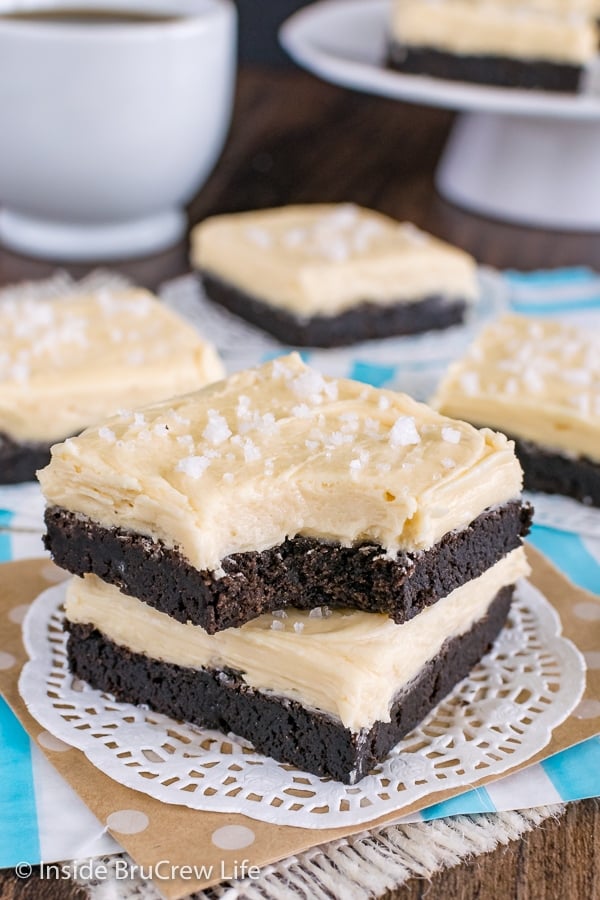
{"x":75,"y":16}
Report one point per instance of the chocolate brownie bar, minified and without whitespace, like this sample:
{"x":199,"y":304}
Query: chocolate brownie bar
{"x":19,"y":460}
{"x":279,"y":482}
{"x":66,"y":363}
{"x":539,"y":45}
{"x":538,"y":381}
{"x":556,"y":473}
{"x":498,"y":71}
{"x":365,"y":687}
{"x":366,"y":321}
{"x":301,"y":572}
{"x":330,"y":275}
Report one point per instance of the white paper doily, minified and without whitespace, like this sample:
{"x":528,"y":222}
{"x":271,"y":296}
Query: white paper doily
{"x":565,"y":514}
{"x":495,"y":719}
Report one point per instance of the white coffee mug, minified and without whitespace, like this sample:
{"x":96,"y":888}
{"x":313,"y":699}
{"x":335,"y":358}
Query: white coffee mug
{"x":108,"y":128}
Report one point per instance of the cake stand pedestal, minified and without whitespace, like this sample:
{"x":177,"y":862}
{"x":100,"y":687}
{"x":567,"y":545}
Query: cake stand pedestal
{"x":533,"y":171}
{"x":528,"y":157}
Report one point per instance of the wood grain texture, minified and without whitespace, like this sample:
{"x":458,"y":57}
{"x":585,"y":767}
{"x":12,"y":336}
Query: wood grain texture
{"x":556,"y":861}
{"x":296,"y":139}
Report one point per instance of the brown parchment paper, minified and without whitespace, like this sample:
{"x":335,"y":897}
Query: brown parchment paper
{"x":184,"y":837}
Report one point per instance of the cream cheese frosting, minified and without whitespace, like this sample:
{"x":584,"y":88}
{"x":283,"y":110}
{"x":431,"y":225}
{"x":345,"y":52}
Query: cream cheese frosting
{"x":69,"y":362}
{"x":323,"y":259}
{"x":350,"y":664}
{"x":535,"y":379}
{"x":470,"y":27}
{"x":278,"y":451}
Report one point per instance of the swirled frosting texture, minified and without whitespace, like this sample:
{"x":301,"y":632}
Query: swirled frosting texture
{"x":69,"y":362}
{"x":544,"y":31}
{"x":278,"y":451}
{"x":535,"y":379}
{"x":322,"y":259}
{"x":348,"y":663}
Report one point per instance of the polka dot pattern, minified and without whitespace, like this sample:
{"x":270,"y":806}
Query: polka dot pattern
{"x":589,"y":612}
{"x":7,"y":660}
{"x":53,"y":574}
{"x":587,"y":709}
{"x":50,"y":742}
{"x":128,"y":821}
{"x":592,"y":658}
{"x":233,"y":837}
{"x":18,"y":613}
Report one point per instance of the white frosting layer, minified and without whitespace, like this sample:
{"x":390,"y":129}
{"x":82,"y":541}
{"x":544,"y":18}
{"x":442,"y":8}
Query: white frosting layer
{"x":533,"y":378}
{"x":350,"y":664}
{"x":278,"y":451}
{"x":70,"y":362}
{"x":470,"y":27}
{"x":324,"y":259}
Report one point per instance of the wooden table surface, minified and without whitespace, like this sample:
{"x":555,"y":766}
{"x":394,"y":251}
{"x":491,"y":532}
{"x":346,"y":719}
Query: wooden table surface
{"x":297,"y":139}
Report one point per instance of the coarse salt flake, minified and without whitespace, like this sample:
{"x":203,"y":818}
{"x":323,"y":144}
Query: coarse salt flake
{"x":451,"y":435}
{"x":20,"y":372}
{"x":193,"y":466}
{"x":251,"y":451}
{"x":177,"y":417}
{"x":259,"y":237}
{"x":106,"y":434}
{"x":404,"y":432}
{"x":301,"y":411}
{"x":217,"y":429}
{"x":469,"y":382}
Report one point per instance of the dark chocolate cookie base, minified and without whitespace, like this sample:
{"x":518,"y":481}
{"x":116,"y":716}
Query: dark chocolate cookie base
{"x":281,"y":728}
{"x":364,"y":322}
{"x":19,"y":461}
{"x":554,"y":473}
{"x":500,"y":71}
{"x":301,"y":572}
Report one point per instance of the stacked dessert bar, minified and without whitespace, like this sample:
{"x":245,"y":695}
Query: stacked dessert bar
{"x":325,"y":275}
{"x":69,"y":362}
{"x":309,"y":563}
{"x":537,"y":380}
{"x":542,"y":44}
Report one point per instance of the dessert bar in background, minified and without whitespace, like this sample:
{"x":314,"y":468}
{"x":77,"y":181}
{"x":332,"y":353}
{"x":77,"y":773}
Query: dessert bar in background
{"x":66,"y":363}
{"x":538,"y":381}
{"x":330,"y":275}
{"x":541,"y":44}
{"x":309,"y":563}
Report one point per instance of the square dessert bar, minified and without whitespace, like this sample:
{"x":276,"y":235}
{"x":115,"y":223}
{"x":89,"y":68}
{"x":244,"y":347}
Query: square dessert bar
{"x":279,"y":487}
{"x":540,"y":44}
{"x":538,"y":381}
{"x":309,"y":563}
{"x":329,"y":275}
{"x":66,"y":363}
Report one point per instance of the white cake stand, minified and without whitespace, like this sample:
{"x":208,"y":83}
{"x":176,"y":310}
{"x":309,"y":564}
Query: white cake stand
{"x":529,"y":157}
